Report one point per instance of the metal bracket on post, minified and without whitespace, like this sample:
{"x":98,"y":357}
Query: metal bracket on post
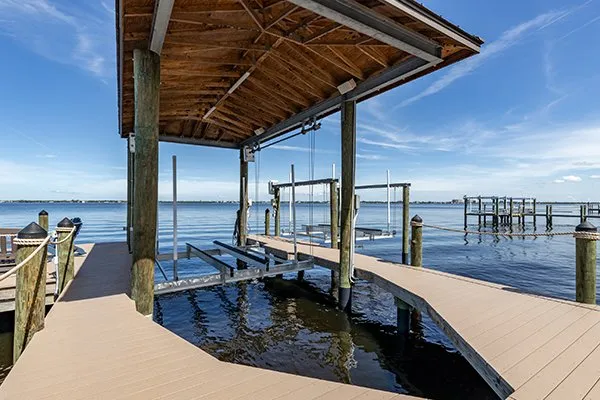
{"x":132,"y":143}
{"x":248,"y":154}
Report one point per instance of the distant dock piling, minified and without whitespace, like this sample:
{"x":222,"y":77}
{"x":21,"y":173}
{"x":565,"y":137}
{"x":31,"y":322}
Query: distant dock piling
{"x":267,"y":222}
{"x":43,"y":219}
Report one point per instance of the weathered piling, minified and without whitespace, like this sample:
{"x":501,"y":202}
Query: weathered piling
{"x":523,"y":212}
{"x":267,"y":222}
{"x":277,"y":210}
{"x":30,"y":292}
{"x":534,"y":213}
{"x":479,"y":209}
{"x":402,"y":316}
{"x":130,"y":193}
{"x":43,"y":219}
{"x":550,"y":216}
{"x":510,"y":212}
{"x":586,"y":235}
{"x":334,"y":231}
{"x":405,"y":222}
{"x":582,"y":213}
{"x":348,"y":138}
{"x":146,"y":72}
{"x":65,"y":247}
{"x":416,"y":243}
{"x":496,"y":219}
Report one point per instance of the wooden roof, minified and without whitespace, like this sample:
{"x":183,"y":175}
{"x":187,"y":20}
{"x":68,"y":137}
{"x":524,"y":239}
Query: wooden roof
{"x":234,"y":72}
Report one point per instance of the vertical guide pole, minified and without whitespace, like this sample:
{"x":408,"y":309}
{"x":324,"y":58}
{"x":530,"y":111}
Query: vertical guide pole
{"x":146,"y":73}
{"x":479,"y":209}
{"x":267,"y":222}
{"x":405,"y":222}
{"x":243,"y":220}
{"x":277,"y":212}
{"x":130,"y":184}
{"x":389,"y":208}
{"x":348,"y":138}
{"x":585,"y":262}
{"x":175,"y":250}
{"x":66,"y":264}
{"x":334,"y":227}
{"x":30,"y":287}
{"x":416,"y":243}
{"x":510,"y":211}
{"x":293,"y":200}
{"x":534,"y":209}
{"x":466,"y":201}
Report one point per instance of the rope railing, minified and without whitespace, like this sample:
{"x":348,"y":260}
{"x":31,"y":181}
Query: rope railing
{"x":580,"y":235}
{"x":26,"y":260}
{"x":44,"y":243}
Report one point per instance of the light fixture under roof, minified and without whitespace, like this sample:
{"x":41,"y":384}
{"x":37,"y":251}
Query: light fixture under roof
{"x":346,"y":86}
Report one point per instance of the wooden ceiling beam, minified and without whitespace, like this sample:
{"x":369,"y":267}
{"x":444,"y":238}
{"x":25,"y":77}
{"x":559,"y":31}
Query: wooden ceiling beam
{"x":240,"y":124}
{"x":276,"y":91}
{"x":233,"y":130}
{"x":305,"y":83}
{"x":266,"y":100}
{"x":322,"y":32}
{"x":160,"y":23}
{"x":250,"y":119}
{"x":255,"y":17}
{"x":306,"y":70}
{"x":357,"y":70}
{"x":334,"y":61}
{"x":284,"y":14}
{"x":374,"y":55}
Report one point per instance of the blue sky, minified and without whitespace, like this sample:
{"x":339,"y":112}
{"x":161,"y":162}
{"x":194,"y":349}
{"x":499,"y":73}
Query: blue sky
{"x":521,"y":119}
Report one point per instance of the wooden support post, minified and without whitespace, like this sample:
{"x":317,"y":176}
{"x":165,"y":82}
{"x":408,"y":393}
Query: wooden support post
{"x":534,"y":213}
{"x":466,"y":201}
{"x":510,"y":212}
{"x":582,"y":213}
{"x":405,"y":222}
{"x":30,"y":288}
{"x":523,"y":213}
{"x":267,"y":222}
{"x":66,"y":248}
{"x":479,"y":209}
{"x":402,"y":317}
{"x":243,"y":219}
{"x":496,"y":219}
{"x":43,"y":219}
{"x":416,"y":243}
{"x":130,"y":176}
{"x":277,"y":208}
{"x":585,"y":262}
{"x":348,"y":138}
{"x":550,"y":214}
{"x":334,"y":231}
{"x":146,"y":73}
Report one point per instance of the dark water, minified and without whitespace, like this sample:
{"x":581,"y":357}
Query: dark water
{"x":293,"y":326}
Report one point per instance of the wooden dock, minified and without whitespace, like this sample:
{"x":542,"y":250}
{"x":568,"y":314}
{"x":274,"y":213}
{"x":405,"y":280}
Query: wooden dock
{"x":96,"y":345}
{"x":525,"y":346}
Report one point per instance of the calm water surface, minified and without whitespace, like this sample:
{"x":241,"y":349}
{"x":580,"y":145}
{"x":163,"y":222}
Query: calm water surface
{"x":293,"y":326}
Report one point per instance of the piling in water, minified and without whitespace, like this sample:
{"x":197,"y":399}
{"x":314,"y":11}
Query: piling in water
{"x":267,"y":222}
{"x":585,"y":262}
{"x":416,"y":243}
{"x":43,"y":219}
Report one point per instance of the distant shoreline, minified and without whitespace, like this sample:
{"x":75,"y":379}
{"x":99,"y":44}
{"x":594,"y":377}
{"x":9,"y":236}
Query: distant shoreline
{"x":451,"y":202}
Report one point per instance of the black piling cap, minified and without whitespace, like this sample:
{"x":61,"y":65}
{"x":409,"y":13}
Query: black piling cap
{"x":65,"y":223}
{"x":32,"y":231}
{"x":586,"y":226}
{"x":267,"y":211}
{"x":416,"y":218}
{"x":43,"y":212}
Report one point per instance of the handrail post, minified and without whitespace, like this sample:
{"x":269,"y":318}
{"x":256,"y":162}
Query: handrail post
{"x":585,"y":263}
{"x":416,"y":243}
{"x":66,"y":264}
{"x":30,"y":291}
{"x":43,"y":219}
{"x":267,"y":222}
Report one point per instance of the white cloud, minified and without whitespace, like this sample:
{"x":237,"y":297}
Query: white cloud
{"x":572,"y":178}
{"x":508,"y":39}
{"x":80,"y":35}
{"x":383,"y":144}
{"x":372,"y":157}
{"x":559,"y":181}
{"x":595,"y":176}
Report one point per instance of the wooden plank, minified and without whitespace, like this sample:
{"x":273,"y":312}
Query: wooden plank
{"x":162,"y":15}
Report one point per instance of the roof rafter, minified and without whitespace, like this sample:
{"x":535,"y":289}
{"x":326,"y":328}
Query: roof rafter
{"x":160,"y":23}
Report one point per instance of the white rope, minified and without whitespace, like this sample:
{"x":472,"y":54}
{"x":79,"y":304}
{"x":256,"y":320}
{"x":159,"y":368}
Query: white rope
{"x":25,"y":242}
{"x":506,"y":233}
{"x":71,"y":232}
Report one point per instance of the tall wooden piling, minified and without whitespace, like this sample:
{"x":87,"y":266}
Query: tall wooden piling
{"x":66,"y":248}
{"x":416,"y":242}
{"x":510,"y":212}
{"x":496,"y":219}
{"x":405,"y":222}
{"x":479,"y":209}
{"x":146,"y":73}
{"x":534,"y":209}
{"x":267,"y":222}
{"x":585,"y":262}
{"x":243,"y":218}
{"x":402,"y":316}
{"x":466,"y":201}
{"x":523,"y":208}
{"x":43,"y":219}
{"x":334,"y":231}
{"x":277,"y":209}
{"x":582,"y":213}
{"x":550,"y":216}
{"x":30,"y":292}
{"x":348,"y":138}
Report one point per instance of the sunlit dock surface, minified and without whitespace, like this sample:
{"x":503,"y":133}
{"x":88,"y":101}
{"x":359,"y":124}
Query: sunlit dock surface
{"x":524,"y":345}
{"x":96,"y":345}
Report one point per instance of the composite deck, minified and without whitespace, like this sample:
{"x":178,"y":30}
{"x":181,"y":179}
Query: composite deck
{"x":524,"y":345}
{"x":96,"y":346}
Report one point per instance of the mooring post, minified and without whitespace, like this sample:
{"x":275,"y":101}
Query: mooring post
{"x":348,"y":138}
{"x":146,"y":73}
{"x":334,"y":231}
{"x":586,"y":236}
{"x":582,"y":213}
{"x":277,"y":210}
{"x":416,"y":243}
{"x":130,"y":176}
{"x":30,"y":287}
{"x":550,"y":214}
{"x":510,"y":211}
{"x":243,"y":219}
{"x":267,"y":222}
{"x":523,"y":211}
{"x":466,"y":201}
{"x":43,"y":219}
{"x":496,"y":218}
{"x":405,"y":222}
{"x":402,"y":316}
{"x":66,"y":264}
{"x":479,"y":209}
{"x":534,"y":213}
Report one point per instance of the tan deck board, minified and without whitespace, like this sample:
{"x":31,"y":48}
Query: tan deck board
{"x":95,"y":345}
{"x":538,"y":346}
